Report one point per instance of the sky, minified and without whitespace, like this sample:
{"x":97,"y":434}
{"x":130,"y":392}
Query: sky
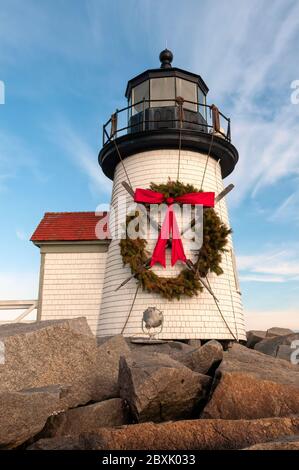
{"x":65,"y":64}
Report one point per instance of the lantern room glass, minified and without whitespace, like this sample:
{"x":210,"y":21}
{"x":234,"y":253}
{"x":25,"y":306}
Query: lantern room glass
{"x":201,"y":98}
{"x":140,"y":93}
{"x":162,"y":92}
{"x":188,"y":91}
{"x":162,"y":89}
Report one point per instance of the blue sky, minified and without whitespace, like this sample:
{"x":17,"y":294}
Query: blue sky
{"x":65,"y":65}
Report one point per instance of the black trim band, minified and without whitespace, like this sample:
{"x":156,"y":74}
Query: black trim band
{"x":161,"y":139}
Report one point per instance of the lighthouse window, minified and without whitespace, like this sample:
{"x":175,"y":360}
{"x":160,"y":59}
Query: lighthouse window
{"x":140,"y":93}
{"x":187,"y":90}
{"x":162,"y":89}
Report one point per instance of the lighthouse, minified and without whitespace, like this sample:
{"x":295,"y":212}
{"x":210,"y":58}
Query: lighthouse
{"x":169,"y":133}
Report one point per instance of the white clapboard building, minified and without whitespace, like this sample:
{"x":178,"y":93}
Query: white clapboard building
{"x":156,"y":137}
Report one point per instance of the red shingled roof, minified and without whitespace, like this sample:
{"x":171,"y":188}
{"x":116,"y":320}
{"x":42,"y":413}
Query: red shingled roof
{"x":70,"y":226}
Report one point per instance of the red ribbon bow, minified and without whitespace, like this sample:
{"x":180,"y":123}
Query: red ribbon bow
{"x":170,"y":223}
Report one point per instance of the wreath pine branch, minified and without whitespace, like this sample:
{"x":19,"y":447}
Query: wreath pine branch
{"x":208,"y":258}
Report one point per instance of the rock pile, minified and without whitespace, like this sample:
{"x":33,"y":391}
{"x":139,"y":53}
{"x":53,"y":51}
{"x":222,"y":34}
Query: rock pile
{"x":60,"y":388}
{"x":276,"y":342}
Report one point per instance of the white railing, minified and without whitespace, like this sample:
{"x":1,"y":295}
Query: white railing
{"x":28,"y":305}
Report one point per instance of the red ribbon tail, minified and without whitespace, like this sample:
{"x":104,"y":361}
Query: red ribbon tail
{"x":177,"y":251}
{"x":159,"y":253}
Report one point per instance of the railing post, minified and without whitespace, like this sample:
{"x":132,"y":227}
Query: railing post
{"x":228,"y":135}
{"x":116,"y":123}
{"x":180,"y":101}
{"x":113,"y":130}
{"x":215,"y":118}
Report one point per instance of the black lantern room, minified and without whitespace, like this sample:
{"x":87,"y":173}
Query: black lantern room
{"x":166,"y":105}
{"x":155,"y":93}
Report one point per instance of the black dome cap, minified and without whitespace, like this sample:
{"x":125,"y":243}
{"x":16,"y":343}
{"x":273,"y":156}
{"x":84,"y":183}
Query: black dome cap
{"x":166,"y":57}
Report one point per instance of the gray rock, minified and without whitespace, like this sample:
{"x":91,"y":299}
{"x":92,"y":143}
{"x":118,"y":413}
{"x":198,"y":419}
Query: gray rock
{"x":86,"y":419}
{"x":172,"y":348}
{"x":61,"y":352}
{"x":204,"y":358}
{"x":254,"y":337}
{"x":23,"y":414}
{"x":140,"y":358}
{"x":160,"y":389}
{"x":250,"y":385}
{"x":108,"y":355}
{"x":284,"y":352}
{"x":276,"y":331}
{"x":271,"y":345}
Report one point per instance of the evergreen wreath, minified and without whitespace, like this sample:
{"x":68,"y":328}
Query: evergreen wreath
{"x":215,"y":237}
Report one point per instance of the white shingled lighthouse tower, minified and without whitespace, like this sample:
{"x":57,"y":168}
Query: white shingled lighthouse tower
{"x":168,"y":131}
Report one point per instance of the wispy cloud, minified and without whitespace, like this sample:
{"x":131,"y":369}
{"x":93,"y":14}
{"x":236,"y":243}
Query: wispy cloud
{"x":15,"y":156}
{"x":278,"y":265}
{"x":288,"y":209}
{"x":268,"y":151}
{"x":258,"y":278}
{"x":249,"y":66}
{"x":248,"y":63}
{"x":30,"y":29}
{"x":81,"y":154}
{"x":21,"y":235}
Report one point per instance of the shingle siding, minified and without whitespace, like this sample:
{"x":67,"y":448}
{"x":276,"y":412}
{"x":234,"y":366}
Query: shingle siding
{"x":72,"y":285}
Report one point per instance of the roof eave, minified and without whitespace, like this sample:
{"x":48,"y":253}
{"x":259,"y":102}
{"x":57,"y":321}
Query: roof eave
{"x":173,"y":71}
{"x":39,"y":243}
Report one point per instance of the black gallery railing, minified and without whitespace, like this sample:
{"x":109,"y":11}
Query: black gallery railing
{"x":150,"y":115}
